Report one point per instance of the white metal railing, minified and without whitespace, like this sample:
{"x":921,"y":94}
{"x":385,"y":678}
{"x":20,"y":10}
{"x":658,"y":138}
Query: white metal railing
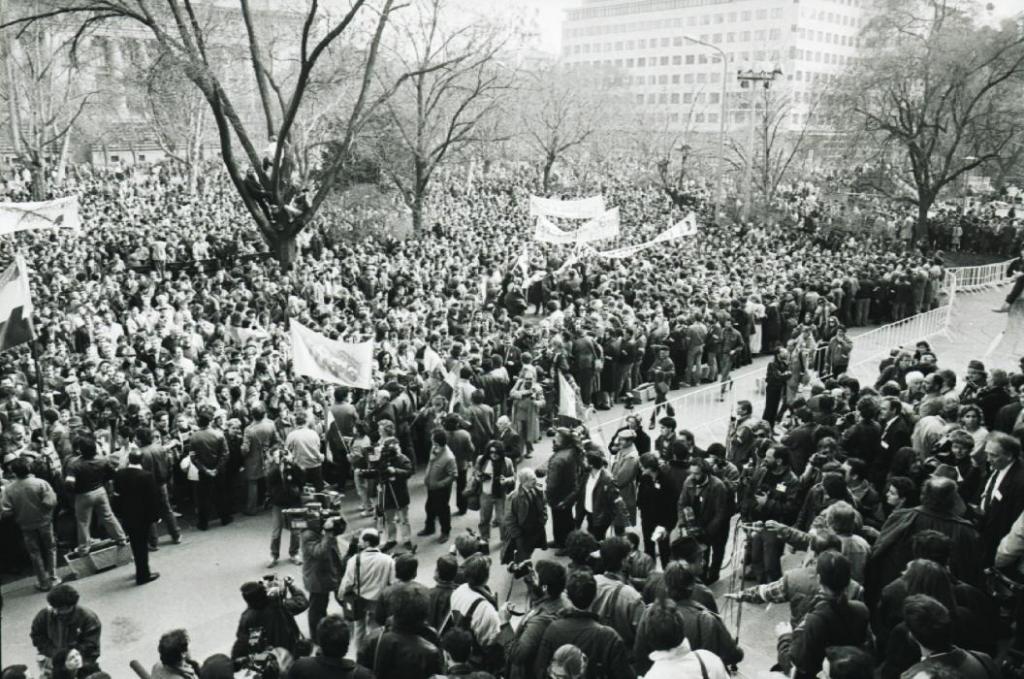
{"x":706,"y":411}
{"x":970,"y":278}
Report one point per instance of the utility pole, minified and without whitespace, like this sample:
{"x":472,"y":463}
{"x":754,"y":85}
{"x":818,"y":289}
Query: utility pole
{"x":747,"y":77}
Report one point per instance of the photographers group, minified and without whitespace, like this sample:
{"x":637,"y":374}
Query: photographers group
{"x":165,"y":397}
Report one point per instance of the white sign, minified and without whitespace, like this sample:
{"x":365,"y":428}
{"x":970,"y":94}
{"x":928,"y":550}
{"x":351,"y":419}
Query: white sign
{"x":60,"y":213}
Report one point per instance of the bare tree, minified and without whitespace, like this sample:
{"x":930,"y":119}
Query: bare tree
{"x":937,"y":94}
{"x":46,"y":96}
{"x":456,"y":83}
{"x":562,"y":109}
{"x":778,"y":143}
{"x":263,"y":178}
{"x":173,"y":109}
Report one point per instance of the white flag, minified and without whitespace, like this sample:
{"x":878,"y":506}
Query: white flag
{"x":322,"y":358}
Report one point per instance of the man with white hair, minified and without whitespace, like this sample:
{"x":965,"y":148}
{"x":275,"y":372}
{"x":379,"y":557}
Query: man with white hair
{"x":512,"y":441}
{"x":525,"y":518}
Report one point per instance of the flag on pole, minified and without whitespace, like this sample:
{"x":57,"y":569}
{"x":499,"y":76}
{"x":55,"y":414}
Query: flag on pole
{"x":15,"y":306}
{"x":569,"y":402}
{"x":60,"y":213}
{"x":322,"y":358}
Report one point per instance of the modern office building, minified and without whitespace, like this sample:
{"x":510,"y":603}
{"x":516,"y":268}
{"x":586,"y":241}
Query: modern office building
{"x":677,"y":82}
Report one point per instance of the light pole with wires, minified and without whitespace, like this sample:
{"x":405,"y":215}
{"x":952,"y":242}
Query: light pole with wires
{"x":748,"y":77}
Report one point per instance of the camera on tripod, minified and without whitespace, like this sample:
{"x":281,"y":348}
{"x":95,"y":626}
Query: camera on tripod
{"x":317,"y":508}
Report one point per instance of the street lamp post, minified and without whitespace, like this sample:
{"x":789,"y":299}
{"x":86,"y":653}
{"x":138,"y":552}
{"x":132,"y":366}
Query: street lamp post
{"x":720,"y":165}
{"x":747,"y":77}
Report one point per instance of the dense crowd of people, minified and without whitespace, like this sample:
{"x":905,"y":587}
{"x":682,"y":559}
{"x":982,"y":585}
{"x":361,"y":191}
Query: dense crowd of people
{"x":164,"y":387}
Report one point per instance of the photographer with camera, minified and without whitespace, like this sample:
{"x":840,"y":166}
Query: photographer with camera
{"x":269,"y":620}
{"x":546,"y":582}
{"x":705,"y":508}
{"x":284,"y":488}
{"x":321,"y":564}
{"x":392,"y":470}
{"x":772,"y":495}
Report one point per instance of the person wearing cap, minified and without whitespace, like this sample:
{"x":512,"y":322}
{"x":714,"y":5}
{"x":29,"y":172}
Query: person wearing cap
{"x":366,"y":576}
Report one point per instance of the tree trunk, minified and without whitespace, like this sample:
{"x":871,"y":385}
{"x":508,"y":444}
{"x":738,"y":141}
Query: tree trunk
{"x":924,"y":204}
{"x":62,"y":161}
{"x":40,"y":182}
{"x":549,"y":162}
{"x":418,"y":204}
{"x":285,"y":250}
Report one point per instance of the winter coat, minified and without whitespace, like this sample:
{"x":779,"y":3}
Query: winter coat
{"x":606,"y":654}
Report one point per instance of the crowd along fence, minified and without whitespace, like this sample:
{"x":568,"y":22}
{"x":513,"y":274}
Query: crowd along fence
{"x":706,"y":411}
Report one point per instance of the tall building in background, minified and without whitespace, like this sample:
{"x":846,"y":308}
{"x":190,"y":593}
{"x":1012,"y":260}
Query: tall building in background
{"x":678,"y":83}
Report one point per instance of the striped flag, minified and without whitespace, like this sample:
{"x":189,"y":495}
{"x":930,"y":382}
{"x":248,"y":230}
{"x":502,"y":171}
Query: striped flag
{"x":15,"y":306}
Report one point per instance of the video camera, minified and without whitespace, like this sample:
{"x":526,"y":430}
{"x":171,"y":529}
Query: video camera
{"x":316,"y":509}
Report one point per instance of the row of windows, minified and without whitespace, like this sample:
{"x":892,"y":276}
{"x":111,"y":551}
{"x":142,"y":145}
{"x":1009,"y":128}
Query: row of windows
{"x":757,"y":56}
{"x":759,"y":36}
{"x":669,"y":5}
{"x":714,"y":78}
{"x":658,"y":6}
{"x":796,"y":119}
{"x":828,"y":38}
{"x":829,"y":17}
{"x":663,"y":23}
{"x":730,"y":18}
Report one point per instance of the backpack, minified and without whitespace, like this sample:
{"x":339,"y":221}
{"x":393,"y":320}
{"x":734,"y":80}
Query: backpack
{"x":488,"y":658}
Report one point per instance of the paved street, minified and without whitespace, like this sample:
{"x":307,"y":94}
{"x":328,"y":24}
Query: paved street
{"x":198,"y":589}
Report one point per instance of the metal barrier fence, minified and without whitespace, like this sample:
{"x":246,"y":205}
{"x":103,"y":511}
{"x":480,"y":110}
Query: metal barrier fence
{"x":971,"y":278}
{"x":706,"y":411}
